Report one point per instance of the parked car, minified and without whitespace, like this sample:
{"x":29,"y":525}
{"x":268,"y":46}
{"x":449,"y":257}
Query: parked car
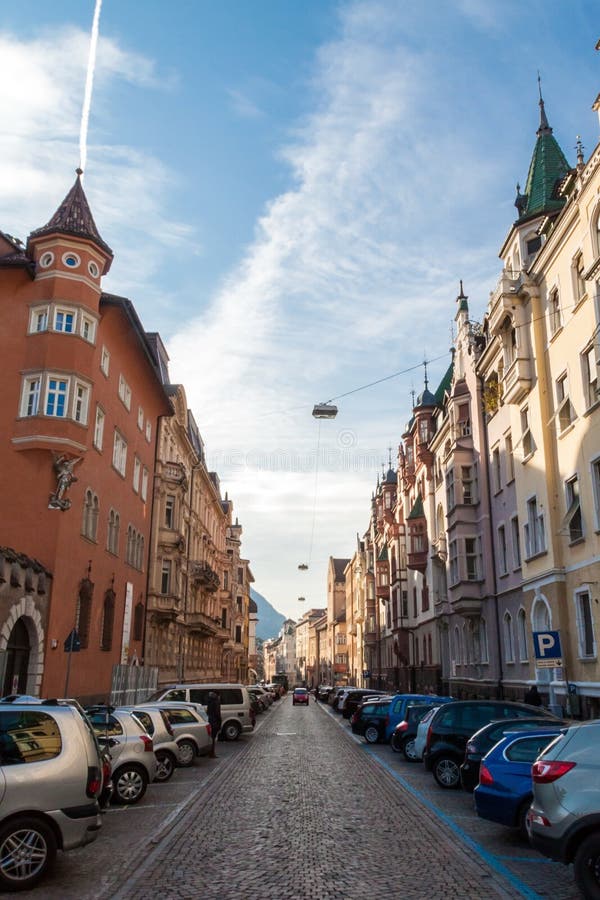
{"x":400,"y":703}
{"x":452,"y":726}
{"x":405,"y":732}
{"x":505,"y":789}
{"x":336,"y":697}
{"x":259,"y":699}
{"x":370,"y":720}
{"x":156,"y":723}
{"x":236,"y":711}
{"x":261,"y":690}
{"x":324,"y":691}
{"x":564,"y":818}
{"x":422,"y":729}
{"x":355,"y":696}
{"x":50,"y":781}
{"x":483,"y":740}
{"x":131,"y":749}
{"x":300,"y":696}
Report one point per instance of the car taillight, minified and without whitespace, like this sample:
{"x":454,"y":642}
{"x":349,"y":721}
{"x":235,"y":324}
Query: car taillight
{"x":485,"y":776}
{"x":208,"y":729}
{"x":545,"y":771}
{"x":94,"y":781}
{"x":147,"y":742}
{"x":428,"y":740}
{"x":403,"y":726}
{"x":537,"y":819}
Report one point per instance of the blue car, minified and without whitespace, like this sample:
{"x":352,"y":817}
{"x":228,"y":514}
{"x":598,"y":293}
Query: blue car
{"x":505,"y":791}
{"x":400,"y":703}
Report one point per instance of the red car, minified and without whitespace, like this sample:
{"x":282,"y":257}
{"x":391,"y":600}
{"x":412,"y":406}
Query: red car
{"x":300,"y":695}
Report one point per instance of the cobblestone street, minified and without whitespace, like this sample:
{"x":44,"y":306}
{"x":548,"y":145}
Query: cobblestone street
{"x":304,"y":812}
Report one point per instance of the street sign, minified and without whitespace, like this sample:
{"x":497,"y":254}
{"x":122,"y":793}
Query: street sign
{"x":72,"y":643}
{"x":548,"y":653}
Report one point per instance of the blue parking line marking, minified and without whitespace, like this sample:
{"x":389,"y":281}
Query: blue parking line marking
{"x":492,"y":861}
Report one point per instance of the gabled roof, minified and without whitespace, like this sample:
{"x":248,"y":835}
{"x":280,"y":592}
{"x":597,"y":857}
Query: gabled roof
{"x":74,"y":217}
{"x":15,"y":257}
{"x":338,"y":567}
{"x":444,"y":385}
{"x":417,"y":512}
{"x":547,"y":170}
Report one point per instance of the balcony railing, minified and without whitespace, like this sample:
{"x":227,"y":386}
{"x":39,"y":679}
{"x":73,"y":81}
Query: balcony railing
{"x":203,"y":574}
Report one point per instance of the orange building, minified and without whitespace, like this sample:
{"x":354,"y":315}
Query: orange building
{"x":82,"y":396}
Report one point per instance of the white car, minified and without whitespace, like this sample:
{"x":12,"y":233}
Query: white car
{"x":421,"y":738}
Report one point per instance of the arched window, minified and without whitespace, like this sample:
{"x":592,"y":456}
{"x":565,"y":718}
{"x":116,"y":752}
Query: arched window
{"x":522,"y":635}
{"x":429,"y":644}
{"x":129,"y":546}
{"x":457,"y":647}
{"x":112,"y":539}
{"x":509,"y":644}
{"x":509,"y":341}
{"x":88,"y":502}
{"x":483,"y":642}
{"x":108,"y":620}
{"x":84,"y":612}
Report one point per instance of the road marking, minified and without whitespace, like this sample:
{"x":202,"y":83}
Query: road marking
{"x":285,"y":733}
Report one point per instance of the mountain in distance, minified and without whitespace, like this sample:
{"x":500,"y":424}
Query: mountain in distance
{"x":269,"y":620}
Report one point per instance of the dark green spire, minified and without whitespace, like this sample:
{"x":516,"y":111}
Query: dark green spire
{"x":547,"y":169}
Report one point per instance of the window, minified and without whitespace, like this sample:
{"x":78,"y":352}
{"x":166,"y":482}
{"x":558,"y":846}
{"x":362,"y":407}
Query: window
{"x":483,"y":642}
{"x":240,"y":608}
{"x":46,"y":259}
{"x":112,"y":540}
{"x":585,"y":625}
{"x":80,"y":402}
{"x":138,"y":621}
{"x":564,"y":408}
{"x":165,"y":577}
{"x":554,"y":311}
{"x":71,"y":260}
{"x":516,"y":544}
{"x":526,"y":436}
{"x":83,"y":616}
{"x":533,"y":245}
{"x":140,"y":419}
{"x":225,"y":581}
{"x":510,"y":459}
{"x":28,"y":737}
{"x":573,"y":523}
{"x":472,"y":559}
{"x":509,"y":649}
{"x":170,"y":511}
{"x":457,"y":646}
{"x":148,"y":431}
{"x":596,"y":490}
{"x":496,"y":470}
{"x":508,"y":336}
{"x":464,"y":420}
{"x":450,"y":489}
{"x":224,"y":617}
{"x":56,"y":397}
{"x":124,"y":392}
{"x":137,"y":468}
{"x":578,"y":279}
{"x":144,"y":489}
{"x":38,"y":320}
{"x":589,"y":369}
{"x":105,"y":361}
{"x":522,"y":635}
{"x":64,"y":320}
{"x":108,"y":620}
{"x":99,"y":428}
{"x":91,"y":510}
{"x":502,"y":555}
{"x":469,"y":485}
{"x":88,"y":329}
{"x":453,"y":557}
{"x":535,"y":537}
{"x":30,"y":404}
{"x":119,"y":460}
{"x":238,"y":634}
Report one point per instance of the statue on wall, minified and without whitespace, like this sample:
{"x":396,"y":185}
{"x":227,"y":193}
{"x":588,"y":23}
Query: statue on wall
{"x":63,"y":466}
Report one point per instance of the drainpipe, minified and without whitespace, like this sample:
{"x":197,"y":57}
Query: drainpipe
{"x":152,"y":527}
{"x":492,"y":538}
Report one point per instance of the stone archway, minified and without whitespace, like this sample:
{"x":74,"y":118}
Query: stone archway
{"x":30,"y":621}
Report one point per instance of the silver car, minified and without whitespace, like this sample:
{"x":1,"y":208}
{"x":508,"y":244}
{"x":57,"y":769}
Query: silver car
{"x":156,"y":724}
{"x":190,"y":728}
{"x":132,"y":751}
{"x":563,"y":821}
{"x":50,"y":780}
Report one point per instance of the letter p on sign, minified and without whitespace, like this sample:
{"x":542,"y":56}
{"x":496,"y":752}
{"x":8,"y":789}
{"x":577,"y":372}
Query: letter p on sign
{"x":547,"y":645}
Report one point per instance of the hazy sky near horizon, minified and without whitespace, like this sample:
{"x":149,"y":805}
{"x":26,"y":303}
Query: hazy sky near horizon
{"x":292,"y":191}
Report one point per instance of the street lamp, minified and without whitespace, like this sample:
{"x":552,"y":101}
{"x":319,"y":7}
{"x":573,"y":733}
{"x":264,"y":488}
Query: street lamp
{"x":325,"y":411}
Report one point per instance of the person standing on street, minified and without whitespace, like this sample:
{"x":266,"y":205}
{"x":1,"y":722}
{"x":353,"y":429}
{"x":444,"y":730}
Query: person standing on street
{"x":213,"y":709}
{"x":533,"y":697}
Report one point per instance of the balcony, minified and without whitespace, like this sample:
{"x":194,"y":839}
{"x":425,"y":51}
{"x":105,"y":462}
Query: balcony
{"x":204,"y":576}
{"x":164,"y":608}
{"x":382,"y":591}
{"x":439,"y":550}
{"x":465,"y":599}
{"x":175,"y":473}
{"x":517,"y":380}
{"x":200,"y":623}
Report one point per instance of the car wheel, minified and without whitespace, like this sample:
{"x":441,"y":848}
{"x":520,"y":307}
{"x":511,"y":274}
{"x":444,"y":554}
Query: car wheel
{"x":166,"y":765}
{"x":187,"y":752}
{"x":231,"y":731}
{"x":396,"y":743}
{"x":371,"y":734}
{"x":408,"y":749}
{"x":446,"y":772}
{"x":130,"y":784}
{"x":27,"y":852}
{"x":586,"y":866}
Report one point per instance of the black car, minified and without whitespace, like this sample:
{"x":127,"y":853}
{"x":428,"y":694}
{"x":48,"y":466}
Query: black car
{"x":371,"y":720}
{"x":454,"y":723}
{"x":405,"y":732}
{"x":354,"y":699}
{"x":484,"y":739}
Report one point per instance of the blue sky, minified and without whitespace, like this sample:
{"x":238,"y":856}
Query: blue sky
{"x":293,"y":191}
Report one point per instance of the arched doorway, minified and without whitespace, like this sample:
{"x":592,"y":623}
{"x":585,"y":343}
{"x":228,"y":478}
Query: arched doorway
{"x":18,"y":649}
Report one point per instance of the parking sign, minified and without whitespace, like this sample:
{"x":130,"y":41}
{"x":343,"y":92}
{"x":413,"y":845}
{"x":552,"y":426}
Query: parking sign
{"x":547,"y":648}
